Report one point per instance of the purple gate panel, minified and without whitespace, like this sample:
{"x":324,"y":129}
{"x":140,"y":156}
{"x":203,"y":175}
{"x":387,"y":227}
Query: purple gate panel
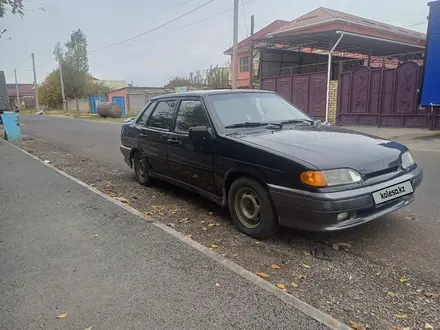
{"x":406,"y":88}
{"x":375,"y":81}
{"x":359,"y":89}
{"x":268,"y":84}
{"x":317,"y":94}
{"x":344,"y":93}
{"x":387,"y":91}
{"x":383,"y":97}
{"x":284,"y":87}
{"x":300,"y":92}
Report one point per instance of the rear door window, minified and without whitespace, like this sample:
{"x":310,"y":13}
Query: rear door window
{"x":162,"y":116}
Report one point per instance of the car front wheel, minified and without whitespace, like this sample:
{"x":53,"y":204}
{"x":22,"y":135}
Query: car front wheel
{"x":141,"y":171}
{"x":251,"y":208}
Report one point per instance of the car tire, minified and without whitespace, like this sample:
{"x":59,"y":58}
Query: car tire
{"x":141,"y":169}
{"x":251,"y":208}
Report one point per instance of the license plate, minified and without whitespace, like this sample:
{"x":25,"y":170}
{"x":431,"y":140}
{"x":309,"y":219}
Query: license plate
{"x":393,"y":192}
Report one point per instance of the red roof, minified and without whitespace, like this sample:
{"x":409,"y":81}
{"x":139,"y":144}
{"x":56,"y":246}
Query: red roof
{"x":23,"y":89}
{"x":321,"y":18}
{"x":245,"y":44}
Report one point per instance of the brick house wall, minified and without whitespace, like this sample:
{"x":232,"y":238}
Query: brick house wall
{"x":333,"y":101}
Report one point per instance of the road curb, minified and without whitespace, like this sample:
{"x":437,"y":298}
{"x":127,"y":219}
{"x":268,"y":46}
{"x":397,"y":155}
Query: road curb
{"x":297,"y":303}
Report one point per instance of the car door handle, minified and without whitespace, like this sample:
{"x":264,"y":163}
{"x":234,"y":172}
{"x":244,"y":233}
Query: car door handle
{"x":173,"y":141}
{"x":142,"y":135}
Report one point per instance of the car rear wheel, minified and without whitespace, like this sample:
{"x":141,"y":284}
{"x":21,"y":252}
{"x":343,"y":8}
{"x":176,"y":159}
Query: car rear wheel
{"x":141,"y":169}
{"x":251,"y":208}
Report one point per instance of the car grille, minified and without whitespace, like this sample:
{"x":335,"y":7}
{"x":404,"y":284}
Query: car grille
{"x":382,"y":172}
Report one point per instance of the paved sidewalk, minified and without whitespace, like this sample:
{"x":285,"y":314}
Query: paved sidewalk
{"x":65,"y":249}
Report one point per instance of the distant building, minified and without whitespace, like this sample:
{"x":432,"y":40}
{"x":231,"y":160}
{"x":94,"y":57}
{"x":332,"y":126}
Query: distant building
{"x":26,"y":93}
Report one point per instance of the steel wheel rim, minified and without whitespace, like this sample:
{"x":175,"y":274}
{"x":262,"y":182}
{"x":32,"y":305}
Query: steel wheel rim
{"x":141,"y":169}
{"x":247,"y":206}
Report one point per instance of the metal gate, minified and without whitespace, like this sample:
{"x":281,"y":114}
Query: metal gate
{"x":382,"y":97}
{"x":306,"y":91}
{"x":121,"y":101}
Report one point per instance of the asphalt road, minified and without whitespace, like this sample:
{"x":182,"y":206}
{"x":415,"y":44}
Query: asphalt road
{"x":408,"y":240}
{"x":60,"y":254}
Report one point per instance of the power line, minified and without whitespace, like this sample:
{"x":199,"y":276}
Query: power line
{"x":154,"y":29}
{"x":160,"y":13}
{"x":198,"y":22}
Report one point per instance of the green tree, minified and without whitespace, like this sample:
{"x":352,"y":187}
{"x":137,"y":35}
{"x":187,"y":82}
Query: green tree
{"x":178,"y":82}
{"x":75,"y":64}
{"x":15,"y":6}
{"x":49,"y":92}
{"x":217,"y":77}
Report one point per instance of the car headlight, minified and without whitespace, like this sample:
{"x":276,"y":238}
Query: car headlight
{"x":320,"y":179}
{"x":407,"y":159}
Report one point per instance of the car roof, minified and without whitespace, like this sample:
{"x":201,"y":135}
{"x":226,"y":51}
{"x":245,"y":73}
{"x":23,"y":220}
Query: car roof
{"x":202,"y":93}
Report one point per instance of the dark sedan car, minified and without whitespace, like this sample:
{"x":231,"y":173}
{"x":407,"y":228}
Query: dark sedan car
{"x":267,"y":161}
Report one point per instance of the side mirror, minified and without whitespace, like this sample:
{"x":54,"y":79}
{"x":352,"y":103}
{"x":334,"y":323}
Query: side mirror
{"x":200,"y":135}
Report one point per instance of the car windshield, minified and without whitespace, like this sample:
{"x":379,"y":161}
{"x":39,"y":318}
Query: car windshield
{"x":255,"y":109}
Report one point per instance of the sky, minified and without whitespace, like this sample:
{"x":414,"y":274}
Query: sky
{"x":172,"y":50}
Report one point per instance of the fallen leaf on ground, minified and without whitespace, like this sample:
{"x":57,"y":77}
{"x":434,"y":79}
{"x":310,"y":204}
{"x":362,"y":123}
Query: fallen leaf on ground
{"x":431,"y":295}
{"x":62,"y":316}
{"x":235,"y":255}
{"x":210,"y":213}
{"x":111,"y":193}
{"x":217,"y":284}
{"x":301,"y":277}
{"x":263,"y":275}
{"x":428,"y":326}
{"x":357,"y":326}
{"x":403,"y":280}
{"x":213,"y":225}
{"x":280,"y":286}
{"x":294,"y":284}
{"x":391,"y":294}
{"x":89,"y":328}
{"x":203,"y":221}
{"x":214,"y":246}
{"x":184,"y":220}
{"x":174,"y":212}
{"x":341,"y":246}
{"x":189,"y":236}
{"x":306,"y":266}
{"x":122,"y":200}
{"x":275,"y":267}
{"x":307,"y":253}
{"x":401,"y":316}
{"x":148,"y":213}
{"x":84,"y":160}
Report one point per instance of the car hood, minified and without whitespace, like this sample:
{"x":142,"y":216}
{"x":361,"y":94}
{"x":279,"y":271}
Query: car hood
{"x":328,"y":147}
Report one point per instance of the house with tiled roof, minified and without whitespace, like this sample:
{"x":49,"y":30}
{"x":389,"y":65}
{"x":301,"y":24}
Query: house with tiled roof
{"x":244,"y":52}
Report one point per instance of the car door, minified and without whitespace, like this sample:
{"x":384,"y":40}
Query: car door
{"x":153,"y":137}
{"x":186,"y":163}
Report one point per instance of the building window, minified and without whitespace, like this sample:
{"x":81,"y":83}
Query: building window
{"x":244,"y":64}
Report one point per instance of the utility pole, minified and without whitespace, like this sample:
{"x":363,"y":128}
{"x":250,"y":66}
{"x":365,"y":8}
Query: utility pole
{"x":62,"y":84}
{"x":234,"y":49}
{"x":251,"y":57}
{"x":16,"y":89}
{"x":35,"y":82}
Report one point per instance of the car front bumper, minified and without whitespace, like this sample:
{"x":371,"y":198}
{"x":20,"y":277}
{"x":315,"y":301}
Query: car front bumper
{"x":318,"y":211}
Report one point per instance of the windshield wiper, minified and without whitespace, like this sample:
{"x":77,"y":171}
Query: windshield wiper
{"x":247,"y":124}
{"x":297,"y":121}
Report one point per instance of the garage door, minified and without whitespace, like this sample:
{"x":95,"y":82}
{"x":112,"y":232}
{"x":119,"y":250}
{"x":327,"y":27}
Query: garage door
{"x":136,"y":101}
